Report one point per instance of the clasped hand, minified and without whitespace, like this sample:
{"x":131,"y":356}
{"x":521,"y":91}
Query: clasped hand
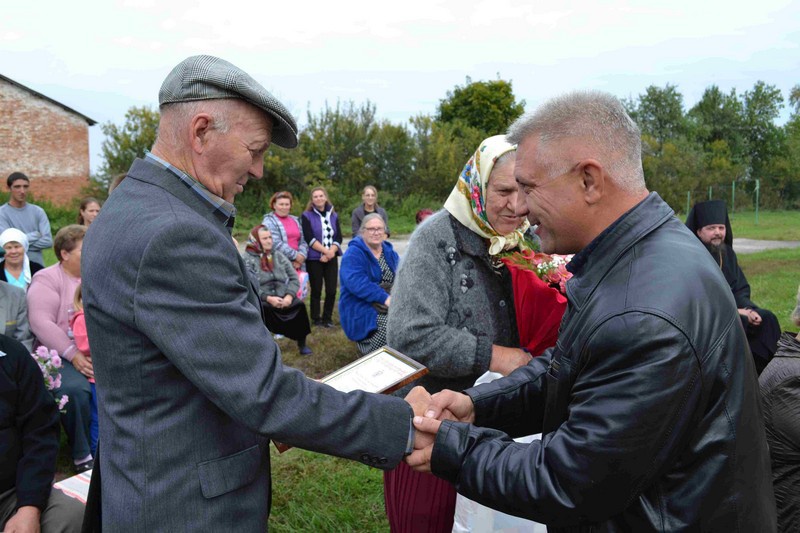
{"x":429,"y":412}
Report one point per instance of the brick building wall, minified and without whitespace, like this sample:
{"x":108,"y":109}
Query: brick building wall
{"x":45,"y":141}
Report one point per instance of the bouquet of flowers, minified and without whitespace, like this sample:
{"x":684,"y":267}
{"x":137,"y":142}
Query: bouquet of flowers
{"x":539,"y":283}
{"x":49,"y":363}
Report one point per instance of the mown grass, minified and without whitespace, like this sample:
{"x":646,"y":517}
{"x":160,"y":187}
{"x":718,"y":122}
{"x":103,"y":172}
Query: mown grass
{"x":771,"y":226}
{"x":774,"y":276}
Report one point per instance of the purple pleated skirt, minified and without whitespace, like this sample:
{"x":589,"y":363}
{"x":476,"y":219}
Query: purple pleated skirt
{"x":418,"y":503}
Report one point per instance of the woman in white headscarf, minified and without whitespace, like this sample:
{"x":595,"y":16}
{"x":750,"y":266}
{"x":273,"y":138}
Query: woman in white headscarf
{"x":453,"y":310}
{"x":16,"y":269}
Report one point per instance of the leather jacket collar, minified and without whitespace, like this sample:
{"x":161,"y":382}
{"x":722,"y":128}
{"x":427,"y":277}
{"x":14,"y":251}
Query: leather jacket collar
{"x":649,"y":214}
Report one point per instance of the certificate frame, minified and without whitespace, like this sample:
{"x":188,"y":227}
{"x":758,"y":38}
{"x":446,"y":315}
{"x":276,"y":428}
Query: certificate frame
{"x":414,"y":371}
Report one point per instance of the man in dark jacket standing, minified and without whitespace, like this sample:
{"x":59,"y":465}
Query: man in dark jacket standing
{"x":648,"y":403}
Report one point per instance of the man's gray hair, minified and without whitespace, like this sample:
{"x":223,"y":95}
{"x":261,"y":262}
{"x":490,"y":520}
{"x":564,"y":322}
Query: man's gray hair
{"x":178,"y":115}
{"x":597,"y":117}
{"x":371,"y":216}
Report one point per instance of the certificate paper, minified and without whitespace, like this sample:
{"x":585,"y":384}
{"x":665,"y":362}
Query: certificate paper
{"x":384,"y":370}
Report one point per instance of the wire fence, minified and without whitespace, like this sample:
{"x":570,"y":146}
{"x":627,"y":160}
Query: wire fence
{"x":739,"y":197}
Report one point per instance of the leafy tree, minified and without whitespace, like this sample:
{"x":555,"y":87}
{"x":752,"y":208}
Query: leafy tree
{"x":125,"y":143}
{"x":794,"y":100}
{"x":391,"y":155}
{"x":659,"y":113}
{"x":672,"y":168}
{"x":339,"y":141}
{"x":442,"y":151}
{"x":762,"y":106}
{"x":719,"y":117}
{"x":488,"y":106}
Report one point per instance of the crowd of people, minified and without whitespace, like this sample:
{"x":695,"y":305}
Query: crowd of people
{"x":648,"y":404}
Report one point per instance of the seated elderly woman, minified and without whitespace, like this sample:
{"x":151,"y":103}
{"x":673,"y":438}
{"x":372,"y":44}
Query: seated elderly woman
{"x":453,"y":310}
{"x":780,"y":402}
{"x":366,"y":278}
{"x":50,"y":307}
{"x":16,"y":268}
{"x":277,"y":283}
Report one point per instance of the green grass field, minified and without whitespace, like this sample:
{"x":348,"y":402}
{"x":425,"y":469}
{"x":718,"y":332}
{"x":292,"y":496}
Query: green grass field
{"x":771,"y":226}
{"x":774,"y":276}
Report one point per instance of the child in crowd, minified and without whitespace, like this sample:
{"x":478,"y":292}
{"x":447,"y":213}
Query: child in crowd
{"x":78,"y":326}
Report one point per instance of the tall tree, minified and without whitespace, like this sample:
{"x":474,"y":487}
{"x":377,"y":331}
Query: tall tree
{"x":338,"y":139}
{"x":488,"y":106}
{"x":391,"y":155}
{"x":764,"y":140}
{"x":659,"y":113}
{"x":719,"y":117}
{"x":442,"y":149}
{"x":125,"y":143}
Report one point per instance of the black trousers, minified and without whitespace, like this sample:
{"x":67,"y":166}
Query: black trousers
{"x":319,"y":273}
{"x":78,"y":416}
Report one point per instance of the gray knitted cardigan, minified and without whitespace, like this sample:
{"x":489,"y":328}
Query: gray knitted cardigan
{"x":449,"y":305}
{"x":281,"y":281}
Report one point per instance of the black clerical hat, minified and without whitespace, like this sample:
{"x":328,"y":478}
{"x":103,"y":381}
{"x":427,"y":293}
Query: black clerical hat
{"x":707,"y":213}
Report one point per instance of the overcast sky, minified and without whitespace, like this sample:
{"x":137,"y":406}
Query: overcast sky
{"x":101,"y":57}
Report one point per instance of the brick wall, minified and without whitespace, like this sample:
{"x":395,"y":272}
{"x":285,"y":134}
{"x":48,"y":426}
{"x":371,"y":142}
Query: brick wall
{"x":46,"y":142}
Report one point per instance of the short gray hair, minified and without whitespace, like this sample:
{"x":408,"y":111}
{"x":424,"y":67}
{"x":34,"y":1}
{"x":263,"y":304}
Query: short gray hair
{"x":366,"y":219}
{"x":176,"y":116}
{"x":601,"y":120}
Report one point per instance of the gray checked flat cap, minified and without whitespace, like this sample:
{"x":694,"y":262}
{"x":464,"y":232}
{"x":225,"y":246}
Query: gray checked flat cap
{"x":210,"y":78}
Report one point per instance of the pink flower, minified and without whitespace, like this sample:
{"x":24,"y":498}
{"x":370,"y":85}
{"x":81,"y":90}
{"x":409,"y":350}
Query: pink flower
{"x":57,"y":382}
{"x":56,"y":360}
{"x":42,"y":353}
{"x":62,"y":402}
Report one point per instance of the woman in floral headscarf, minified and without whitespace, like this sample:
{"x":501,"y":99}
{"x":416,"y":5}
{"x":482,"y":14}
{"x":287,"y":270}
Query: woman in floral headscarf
{"x":453,"y":310}
{"x":277,"y":283}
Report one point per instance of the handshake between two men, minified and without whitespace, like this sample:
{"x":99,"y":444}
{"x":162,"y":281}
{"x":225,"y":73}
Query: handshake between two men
{"x":429,"y":412}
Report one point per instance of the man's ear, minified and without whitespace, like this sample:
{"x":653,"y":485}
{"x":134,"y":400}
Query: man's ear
{"x":198,"y":131}
{"x":594,"y":180}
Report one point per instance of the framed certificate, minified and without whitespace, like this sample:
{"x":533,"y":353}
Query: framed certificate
{"x":383,"y":371}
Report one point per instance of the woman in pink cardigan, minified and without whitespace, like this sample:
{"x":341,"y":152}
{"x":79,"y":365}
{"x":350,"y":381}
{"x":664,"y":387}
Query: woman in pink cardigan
{"x":50,"y":307}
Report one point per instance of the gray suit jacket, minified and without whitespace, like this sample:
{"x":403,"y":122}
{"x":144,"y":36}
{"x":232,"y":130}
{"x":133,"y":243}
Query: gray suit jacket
{"x":190,"y":382}
{"x":14,"y":314}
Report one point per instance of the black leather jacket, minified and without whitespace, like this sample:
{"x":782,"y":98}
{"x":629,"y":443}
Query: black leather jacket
{"x":648,"y":403}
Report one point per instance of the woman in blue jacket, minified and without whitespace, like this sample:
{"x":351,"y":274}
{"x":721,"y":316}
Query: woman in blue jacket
{"x":366,"y":278}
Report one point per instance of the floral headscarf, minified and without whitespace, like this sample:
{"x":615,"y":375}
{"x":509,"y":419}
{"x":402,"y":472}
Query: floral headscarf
{"x":254,"y":247}
{"x":467,"y":200}
{"x":15,"y":235}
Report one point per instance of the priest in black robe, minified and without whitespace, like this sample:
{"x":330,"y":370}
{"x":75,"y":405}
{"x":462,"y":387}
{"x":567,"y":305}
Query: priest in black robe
{"x":709,"y":221}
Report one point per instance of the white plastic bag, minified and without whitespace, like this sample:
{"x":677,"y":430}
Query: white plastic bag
{"x":472,"y":517}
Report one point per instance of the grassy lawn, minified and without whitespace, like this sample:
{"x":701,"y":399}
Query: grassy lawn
{"x":772,"y":225}
{"x":774,"y":276}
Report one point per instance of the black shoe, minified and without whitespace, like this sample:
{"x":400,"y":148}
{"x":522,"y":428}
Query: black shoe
{"x":319,"y":323}
{"x":327,"y":324}
{"x":305,"y":350}
{"x":84,"y":467}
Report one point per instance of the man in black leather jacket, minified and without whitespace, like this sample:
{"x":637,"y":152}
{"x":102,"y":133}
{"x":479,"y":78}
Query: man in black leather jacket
{"x":648,"y":404}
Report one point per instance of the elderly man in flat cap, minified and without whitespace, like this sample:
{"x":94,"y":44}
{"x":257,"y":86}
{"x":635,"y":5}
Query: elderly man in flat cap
{"x":190,"y":383}
{"x":709,"y":221}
